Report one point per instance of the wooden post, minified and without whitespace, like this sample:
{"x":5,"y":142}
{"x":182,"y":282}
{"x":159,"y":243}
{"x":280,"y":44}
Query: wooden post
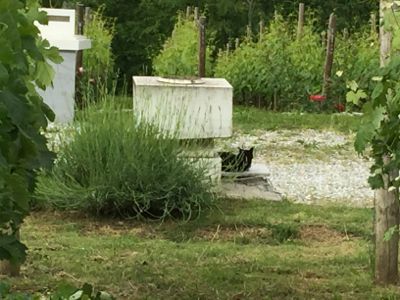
{"x":300,"y":25}
{"x":79,"y":25}
{"x":202,"y":47}
{"x":330,"y":49}
{"x":196,"y":13}
{"x":345,"y":34}
{"x":237,"y":43}
{"x":373,"y":24}
{"x":228,"y":47}
{"x":188,"y":12}
{"x":261,"y":30}
{"x":88,"y":15}
{"x":248,"y":32}
{"x":386,"y":201}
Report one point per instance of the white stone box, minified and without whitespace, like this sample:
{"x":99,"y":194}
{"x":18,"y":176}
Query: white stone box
{"x":60,"y":32}
{"x":188,"y":111}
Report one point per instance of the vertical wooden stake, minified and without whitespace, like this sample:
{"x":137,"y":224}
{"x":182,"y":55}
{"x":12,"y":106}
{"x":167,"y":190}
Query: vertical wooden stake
{"x":237,"y":43}
{"x":228,"y":47}
{"x":329,"y":54}
{"x":386,"y":201}
{"x":188,"y":12}
{"x":345,"y":33}
{"x":202,"y":47}
{"x":261,"y":30}
{"x":196,"y":13}
{"x":300,"y":25}
{"x":88,"y":15}
{"x":79,"y":25}
{"x":248,"y":32}
{"x":373,"y":24}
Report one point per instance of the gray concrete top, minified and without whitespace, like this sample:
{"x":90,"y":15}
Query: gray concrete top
{"x":158,"y":81}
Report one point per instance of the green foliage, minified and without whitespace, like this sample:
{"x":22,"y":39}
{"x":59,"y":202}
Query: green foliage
{"x":381,"y":124}
{"x":356,"y":60}
{"x":114,"y":166}
{"x":284,"y":232}
{"x":278,"y":71}
{"x":179,"y":57}
{"x":23,"y":150}
{"x":98,"y":61}
{"x":143,"y":25}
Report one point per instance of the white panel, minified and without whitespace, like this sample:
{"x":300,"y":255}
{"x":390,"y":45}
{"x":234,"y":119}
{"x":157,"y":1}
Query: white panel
{"x":189,"y":111}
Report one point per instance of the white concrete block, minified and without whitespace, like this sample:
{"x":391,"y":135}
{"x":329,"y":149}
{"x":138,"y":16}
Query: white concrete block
{"x":60,"y":96}
{"x":189,"y":111}
{"x":60,"y":32}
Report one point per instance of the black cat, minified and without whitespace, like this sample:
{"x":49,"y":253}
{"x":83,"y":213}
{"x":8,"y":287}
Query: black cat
{"x":237,"y":163}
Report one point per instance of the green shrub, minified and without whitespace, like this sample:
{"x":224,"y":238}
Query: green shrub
{"x":277,"y":72}
{"x":98,"y":61}
{"x":356,"y":59}
{"x":116,"y":166}
{"x":179,"y":56}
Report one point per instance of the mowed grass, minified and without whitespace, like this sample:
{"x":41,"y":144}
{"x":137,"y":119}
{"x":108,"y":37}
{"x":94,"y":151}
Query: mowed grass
{"x":248,"y":119}
{"x":243,"y":250}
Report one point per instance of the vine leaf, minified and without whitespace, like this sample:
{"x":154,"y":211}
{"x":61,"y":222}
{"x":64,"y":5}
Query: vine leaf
{"x":355,"y":97}
{"x":44,"y":74}
{"x":369,"y":126}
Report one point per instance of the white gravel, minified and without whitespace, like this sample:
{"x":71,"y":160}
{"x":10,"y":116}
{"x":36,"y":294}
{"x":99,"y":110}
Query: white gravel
{"x":331,"y":180}
{"x":338,"y":182}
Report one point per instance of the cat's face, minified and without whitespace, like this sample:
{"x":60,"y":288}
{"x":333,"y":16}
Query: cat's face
{"x":248,"y":153}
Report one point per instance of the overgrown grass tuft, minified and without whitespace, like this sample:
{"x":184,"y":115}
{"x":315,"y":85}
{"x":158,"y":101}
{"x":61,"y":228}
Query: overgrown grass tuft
{"x":116,"y":166}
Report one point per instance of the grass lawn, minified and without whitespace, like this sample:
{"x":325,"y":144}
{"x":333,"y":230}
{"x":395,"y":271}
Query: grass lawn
{"x":243,"y":250}
{"x":248,"y":119}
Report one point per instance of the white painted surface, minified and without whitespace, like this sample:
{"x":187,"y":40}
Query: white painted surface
{"x":189,"y":111}
{"x":60,"y":32}
{"x":60,"y":97}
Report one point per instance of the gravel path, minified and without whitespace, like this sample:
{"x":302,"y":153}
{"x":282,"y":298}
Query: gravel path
{"x":310,"y":166}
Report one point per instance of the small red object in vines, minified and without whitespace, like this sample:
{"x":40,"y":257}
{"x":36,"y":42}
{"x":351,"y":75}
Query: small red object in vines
{"x":317,"y":98}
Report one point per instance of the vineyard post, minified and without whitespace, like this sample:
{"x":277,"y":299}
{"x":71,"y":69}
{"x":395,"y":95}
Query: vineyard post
{"x":300,"y":25}
{"x":196,"y":13}
{"x":261,"y":29}
{"x":188,"y":12}
{"x":373,"y":24}
{"x":202,"y":46}
{"x":330,"y":49}
{"x":386,"y":202}
{"x":79,"y":25}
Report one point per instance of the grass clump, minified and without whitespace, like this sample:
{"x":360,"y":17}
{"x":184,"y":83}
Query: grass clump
{"x":116,"y":166}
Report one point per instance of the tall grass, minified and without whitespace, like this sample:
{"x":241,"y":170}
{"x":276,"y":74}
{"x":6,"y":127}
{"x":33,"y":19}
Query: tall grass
{"x":119,"y":167}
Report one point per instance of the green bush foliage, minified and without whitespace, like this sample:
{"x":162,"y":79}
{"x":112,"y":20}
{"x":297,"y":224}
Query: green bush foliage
{"x":356,"y":59}
{"x":280,"y":72}
{"x":98,"y":61}
{"x":179,"y":57}
{"x":143,"y":25}
{"x":23,"y":68}
{"x":115,"y":166}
